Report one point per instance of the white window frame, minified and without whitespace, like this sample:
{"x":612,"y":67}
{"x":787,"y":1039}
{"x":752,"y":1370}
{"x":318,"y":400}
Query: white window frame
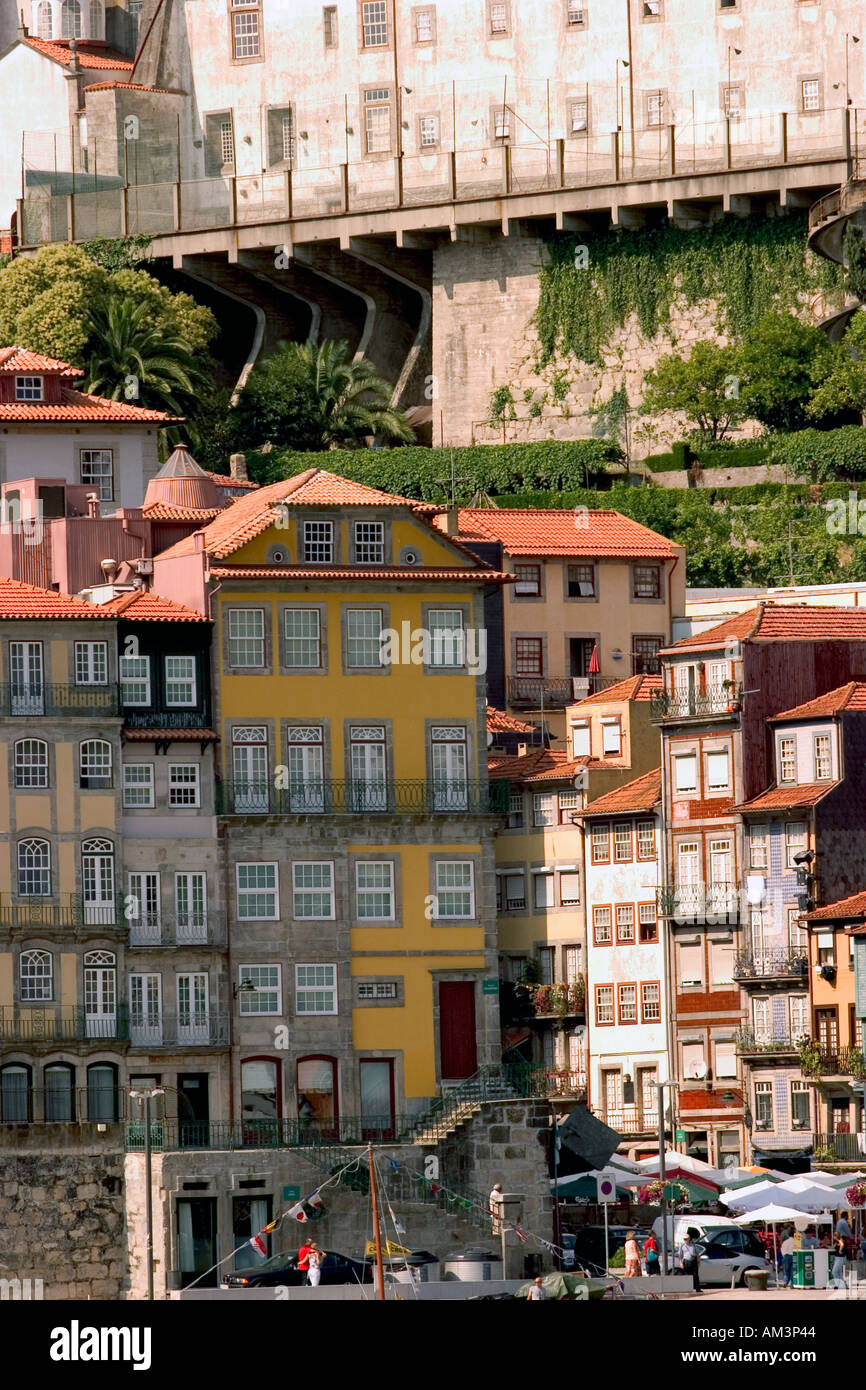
{"x":308,"y":654}
{"x":681,"y":762}
{"x":35,"y":987}
{"x":31,"y":773}
{"x":173,"y":680}
{"x":184,"y":792}
{"x":307,"y":895}
{"x":142,"y":680}
{"x":369,"y":542}
{"x":29,"y":388}
{"x":247,"y":893}
{"x":713,"y":761}
{"x":305,"y":987}
{"x":146,"y":785}
{"x":236,"y":638}
{"x":374,"y":24}
{"x":91,"y":663}
{"x":267,"y":997}
{"x":377,"y":891}
{"x":447,"y":638}
{"x":94,"y":473}
{"x":43,"y":868}
{"x":317,"y":537}
{"x":358,"y":644}
{"x":96,"y":761}
{"x":443,"y":867}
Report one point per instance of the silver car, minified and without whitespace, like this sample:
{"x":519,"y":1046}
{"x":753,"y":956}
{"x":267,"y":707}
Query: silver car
{"x":725,"y":1254}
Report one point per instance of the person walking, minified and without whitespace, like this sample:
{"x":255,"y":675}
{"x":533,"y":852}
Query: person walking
{"x":787,"y":1248}
{"x":315,"y":1260}
{"x":494,"y":1206}
{"x":632,"y":1256}
{"x":537,"y":1291}
{"x":651,"y":1255}
{"x":689,"y":1259}
{"x":304,"y":1259}
{"x":840,"y":1261}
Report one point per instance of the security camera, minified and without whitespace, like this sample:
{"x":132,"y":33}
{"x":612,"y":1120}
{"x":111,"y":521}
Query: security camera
{"x":804,"y":857}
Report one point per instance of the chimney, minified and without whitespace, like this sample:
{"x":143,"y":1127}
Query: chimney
{"x":238,"y":466}
{"x":109,"y":569}
{"x":452,"y":521}
{"x":93,"y":505}
{"x":522,"y":750}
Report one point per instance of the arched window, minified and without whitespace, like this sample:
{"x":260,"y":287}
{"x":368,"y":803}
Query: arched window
{"x":102,"y":1092}
{"x":100,"y":994}
{"x":59,"y":1079}
{"x":31,"y":763}
{"x":97,"y":880}
{"x":318,"y":1108}
{"x":15,"y":1094}
{"x":45,"y":20}
{"x":70,"y":20}
{"x":96,"y":19}
{"x":260,"y":1087}
{"x":34,"y":869}
{"x":95,"y":764}
{"x":36,"y":976}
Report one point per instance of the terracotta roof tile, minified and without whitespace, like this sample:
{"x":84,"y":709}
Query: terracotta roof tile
{"x":783,"y":622}
{"x":133,"y":87}
{"x":90,"y":55}
{"x":739,"y":626}
{"x":17,"y":359}
{"x":855,"y":906}
{"x":182,"y":735}
{"x":536,"y":531}
{"x":391,"y":574}
{"x":500,"y":722}
{"x":847,"y":697}
{"x":142,"y":607}
{"x":159,"y":511}
{"x":77,"y":405}
{"x":779,"y":798}
{"x":227,"y":481}
{"x":632,"y":688}
{"x":536,"y":765}
{"x":18,"y":600}
{"x":640,"y":795}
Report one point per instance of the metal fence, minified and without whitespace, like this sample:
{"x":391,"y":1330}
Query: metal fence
{"x":354,"y":798}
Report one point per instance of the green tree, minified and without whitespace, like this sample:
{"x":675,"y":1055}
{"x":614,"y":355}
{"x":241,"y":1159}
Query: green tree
{"x":703,"y":387}
{"x":133,"y":357}
{"x":854,"y":254}
{"x":843,"y":389}
{"x":783,"y":362}
{"x":612,"y":420}
{"x":45,"y":299}
{"x":309,"y":396}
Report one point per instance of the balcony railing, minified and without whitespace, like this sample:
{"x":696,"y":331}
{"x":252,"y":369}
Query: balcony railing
{"x":207,"y":1028}
{"x":61,"y":1023}
{"x":531,"y":692}
{"x":699,"y":902}
{"x":190,"y":929}
{"x":766,"y":1044}
{"x":839,"y":1148}
{"x":560,"y":1083}
{"x":41,"y":699}
{"x":557,"y":1000}
{"x":70,"y":911}
{"x":273,"y":1134}
{"x":779,"y":963}
{"x":419,"y":798}
{"x":819,"y":1060}
{"x":715,"y":702}
{"x":631,"y":1119}
{"x":165,"y":719}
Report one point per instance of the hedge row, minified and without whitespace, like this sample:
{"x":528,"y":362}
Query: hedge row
{"x":709,"y":455}
{"x":821,"y":454}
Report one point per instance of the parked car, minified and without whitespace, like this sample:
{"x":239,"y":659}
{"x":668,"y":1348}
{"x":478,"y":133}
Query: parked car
{"x":283,"y":1270}
{"x":586,"y":1245}
{"x":725,"y":1255}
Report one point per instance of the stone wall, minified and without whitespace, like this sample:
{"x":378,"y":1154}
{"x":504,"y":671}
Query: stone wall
{"x":728,"y":477}
{"x":62,"y":1221}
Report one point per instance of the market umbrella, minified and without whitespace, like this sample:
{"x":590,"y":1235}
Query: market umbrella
{"x":810,"y":1196}
{"x":583,"y":1186}
{"x":594,"y":668}
{"x":750,"y":1198}
{"x":741,"y":1177}
{"x":771,"y":1215}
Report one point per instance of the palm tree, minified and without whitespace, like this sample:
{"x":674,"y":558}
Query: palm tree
{"x":349,"y":398}
{"x":137,"y":360}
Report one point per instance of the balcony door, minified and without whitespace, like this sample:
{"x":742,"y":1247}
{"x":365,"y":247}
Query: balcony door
{"x":26,"y":678}
{"x":192,"y":1008}
{"x":250,"y":769}
{"x":100,"y":994}
{"x":193,"y":1110}
{"x":97,"y":876}
{"x":827,"y":1029}
{"x":306,"y":791}
{"x":450,"y":790}
{"x":457,"y":1041}
{"x":369,"y":769}
{"x":145,"y":1009}
{"x":377,"y":1098}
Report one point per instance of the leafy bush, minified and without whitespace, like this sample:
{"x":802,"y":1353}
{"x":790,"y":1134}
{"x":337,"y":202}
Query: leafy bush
{"x":822,"y":454}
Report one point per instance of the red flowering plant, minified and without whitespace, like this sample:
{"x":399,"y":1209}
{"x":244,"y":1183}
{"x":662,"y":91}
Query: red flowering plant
{"x":651,"y":1195}
{"x":856,"y":1194}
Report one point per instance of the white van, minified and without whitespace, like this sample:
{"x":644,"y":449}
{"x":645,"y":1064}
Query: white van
{"x":678,"y":1225}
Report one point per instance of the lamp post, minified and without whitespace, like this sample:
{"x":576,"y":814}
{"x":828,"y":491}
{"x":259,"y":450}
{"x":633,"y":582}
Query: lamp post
{"x":731,"y":50}
{"x":147,"y":1096}
{"x":661,"y":1087}
{"x":620,"y":121}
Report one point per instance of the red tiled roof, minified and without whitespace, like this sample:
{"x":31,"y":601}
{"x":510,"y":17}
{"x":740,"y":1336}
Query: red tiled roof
{"x":500,"y":722}
{"x":536,"y":765}
{"x":779,"y":798}
{"x":851,"y":696}
{"x":133,"y":87}
{"x":90,"y":55}
{"x":159,"y":511}
{"x":18,"y":600}
{"x":183,"y":735}
{"x":142,"y":607}
{"x":17,"y":359}
{"x":536,"y":531}
{"x":360,"y":572}
{"x":79,"y":406}
{"x":855,"y":906}
{"x":632,"y":688}
{"x":782,"y":622}
{"x":640,"y":795}
{"x":740,"y":626}
{"x":227,"y":481}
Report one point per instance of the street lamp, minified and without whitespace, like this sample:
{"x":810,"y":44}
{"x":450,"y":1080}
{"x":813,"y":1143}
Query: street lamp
{"x":147,"y":1096}
{"x":661,"y":1087}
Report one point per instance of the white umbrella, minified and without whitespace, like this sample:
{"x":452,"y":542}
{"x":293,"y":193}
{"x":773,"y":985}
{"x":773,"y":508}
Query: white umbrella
{"x":650,"y":1166}
{"x":809,"y":1196}
{"x":771,"y":1213}
{"x":825,"y":1179}
{"x":745,"y":1198}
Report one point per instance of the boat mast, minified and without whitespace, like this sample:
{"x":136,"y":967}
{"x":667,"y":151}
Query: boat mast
{"x":380,"y":1274}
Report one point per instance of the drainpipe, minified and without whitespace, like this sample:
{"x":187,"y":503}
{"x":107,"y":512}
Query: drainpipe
{"x":670,"y":591}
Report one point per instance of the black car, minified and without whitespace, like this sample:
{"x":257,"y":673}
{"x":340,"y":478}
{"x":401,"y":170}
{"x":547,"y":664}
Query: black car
{"x":588,"y":1245}
{"x":282,"y":1270}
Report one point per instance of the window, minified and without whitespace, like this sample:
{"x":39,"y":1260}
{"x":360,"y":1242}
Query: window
{"x":528,"y":656}
{"x":798,"y":1012}
{"x":763,"y":1105}
{"x":137,"y":785}
{"x":685,"y":772}
{"x":544,"y":808}
{"x":364,"y":638}
{"x":378,"y":989}
{"x":601,"y":925}
{"x":691,"y":965}
{"x":96,"y":25}
{"x":257,"y":892}
{"x":542,"y":893}
{"x":810,"y":89}
{"x":722,"y":958}
{"x":369,"y":767}
{"x":31,"y":763}
{"x":647,"y":581}
{"x":447,"y":642}
{"x":604,"y":1004}
{"x":425,"y":26}
{"x":135,"y":680}
{"x":732,"y":102}
{"x":646,"y":840}
{"x":762,"y":1025}
{"x":572,"y":964}
{"x":374,"y":17}
{"x":369,"y":542}
{"x":795,"y":841}
{"x":575,"y":14}
{"x":726,"y":1061}
{"x":28,"y":388}
{"x":183,"y":784}
{"x":498,"y":17}
{"x":59,"y":1093}
{"x":219,"y":144}
{"x":313,"y":891}
{"x":826,"y":948}
{"x":787,"y":760}
{"x":515,"y":809}
{"x":448,"y":757}
{"x":718,"y":771}
{"x":569,"y":805}
{"x":823,"y":759}
{"x":70,"y":20}
{"x":97,"y":471}
{"x":578,"y":116}
{"x":303,"y":634}
{"x":428,"y":132}
{"x":645,"y":655}
{"x":581,"y":581}
{"x":694,"y":1061}
{"x":16,"y":1098}
{"x":190,"y":903}
{"x":622,"y":842}
{"x":264,"y":997}
{"x":627,"y":1003}
{"x":758,"y":837}
{"x":655,"y":117}
{"x":35,"y":975}
{"x":650,"y":1002}
{"x":377,"y":120}
{"x":95,"y":765}
{"x":281,"y":135}
{"x":180,"y":681}
{"x":374,"y":890}
{"x":34,"y":869}
{"x":329,"y":25}
{"x":514,"y":891}
{"x":143,"y":908}
{"x":800,"y":1105}
{"x":648,"y":923}
{"x":625,"y":922}
{"x":502,"y":123}
{"x":651,"y":9}
{"x":455,"y":889}
{"x":569,"y":888}
{"x":246,"y":637}
{"x":246,"y":29}
{"x":317,"y":544}
{"x":316,"y":989}
{"x":527,"y":581}
{"x":601,"y":843}
{"x":580,"y":740}
{"x":45,"y":20}
{"x":91,"y":663}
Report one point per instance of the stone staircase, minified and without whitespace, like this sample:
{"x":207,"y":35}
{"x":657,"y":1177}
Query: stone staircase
{"x":460,"y":1103}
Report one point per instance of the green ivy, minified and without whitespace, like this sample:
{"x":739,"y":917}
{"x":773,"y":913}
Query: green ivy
{"x":747,"y":265}
{"x":501,"y":405}
{"x":118,"y":253}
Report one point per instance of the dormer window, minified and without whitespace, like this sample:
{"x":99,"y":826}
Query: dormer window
{"x":29,"y":388}
{"x":787,"y":760}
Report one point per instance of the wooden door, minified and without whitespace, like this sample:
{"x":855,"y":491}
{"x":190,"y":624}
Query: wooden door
{"x":457,"y":1044}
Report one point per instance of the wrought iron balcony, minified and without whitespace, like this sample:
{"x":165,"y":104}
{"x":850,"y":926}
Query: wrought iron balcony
{"x":271,"y":1134}
{"x":187,"y":929}
{"x":629,"y":1119}
{"x":41,"y":699}
{"x":716,"y":702}
{"x":417,"y":798}
{"x":560,"y":1083}
{"x":699,"y":902}
{"x":61,"y":1023}
{"x":557,"y":1000}
{"x":819,"y":1060}
{"x":839,"y":1148}
{"x":775,"y":963}
{"x":531,"y":692}
{"x":62,"y":1104}
{"x":179,"y":1031}
{"x":164,"y":719}
{"x":751,"y":1044}
{"x":70,"y":911}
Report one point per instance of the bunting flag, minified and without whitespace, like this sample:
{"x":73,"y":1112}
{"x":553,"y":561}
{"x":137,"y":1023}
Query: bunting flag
{"x":258,"y":1245}
{"x":314,"y":1207}
{"x":395,"y":1164}
{"x":297,"y":1212}
{"x":399,"y":1228}
{"x":521,"y":1235}
{"x":266,"y":1230}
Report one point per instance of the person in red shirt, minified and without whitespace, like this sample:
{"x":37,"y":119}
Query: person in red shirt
{"x":304,"y":1260}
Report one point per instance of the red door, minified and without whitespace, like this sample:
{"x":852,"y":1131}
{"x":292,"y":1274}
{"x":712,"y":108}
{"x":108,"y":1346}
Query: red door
{"x":458,"y":1055}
